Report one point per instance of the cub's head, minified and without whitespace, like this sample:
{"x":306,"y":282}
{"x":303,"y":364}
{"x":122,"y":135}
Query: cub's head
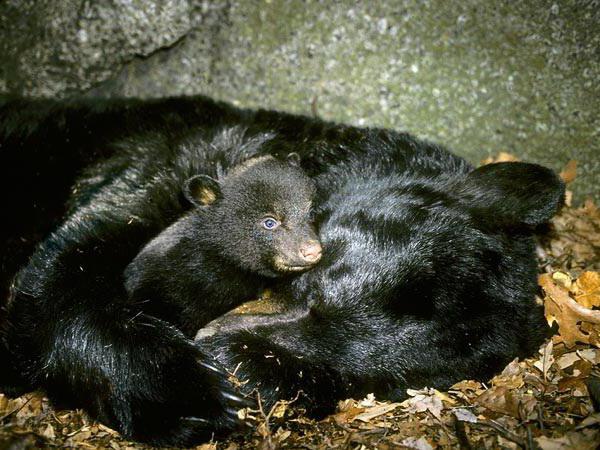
{"x":259,"y":215}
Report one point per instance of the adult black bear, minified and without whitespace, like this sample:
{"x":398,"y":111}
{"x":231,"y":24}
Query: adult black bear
{"x":428,"y":272}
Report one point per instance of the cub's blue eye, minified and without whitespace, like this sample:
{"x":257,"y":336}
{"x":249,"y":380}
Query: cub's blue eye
{"x":270,"y":224}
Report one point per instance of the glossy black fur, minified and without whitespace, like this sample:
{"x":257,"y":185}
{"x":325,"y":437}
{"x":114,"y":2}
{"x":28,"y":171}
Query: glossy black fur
{"x":428,"y":274}
{"x":219,"y":255}
{"x":427,"y":278}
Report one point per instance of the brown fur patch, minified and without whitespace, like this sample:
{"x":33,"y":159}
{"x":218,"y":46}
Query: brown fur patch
{"x":264,"y":305}
{"x":206,"y":196}
{"x":241,"y":168}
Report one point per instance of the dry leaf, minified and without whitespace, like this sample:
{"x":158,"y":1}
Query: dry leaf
{"x":501,"y":157}
{"x":48,"y":432}
{"x":376,"y":411}
{"x":575,"y":440}
{"x":209,"y":446}
{"x":347,"y":415}
{"x":574,"y":385}
{"x":263,"y":430}
{"x":499,"y":399}
{"x":569,"y":173}
{"x":528,"y":408}
{"x":464,"y":415}
{"x":424,"y":400}
{"x":443,"y":397}
{"x":568,"y":359}
{"x":279,"y":409}
{"x":368,"y":401}
{"x":561,"y":308}
{"x":512,"y":368}
{"x":417,"y":444}
{"x":281,"y":434}
{"x":547,"y":359}
{"x":575,"y":241}
{"x":79,"y":437}
{"x":589,"y":421}
{"x":562,"y":278}
{"x":588,"y":284}
{"x":344,"y":405}
{"x":466,"y":385}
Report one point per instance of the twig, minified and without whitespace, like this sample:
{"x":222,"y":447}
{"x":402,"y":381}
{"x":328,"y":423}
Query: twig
{"x":262,"y":413}
{"x":267,"y":417}
{"x":16,"y":410}
{"x":313,"y":106}
{"x":503,"y":431}
{"x":540,"y":417}
{"x":530,"y":444}
{"x":386,"y":428}
{"x":461,"y":435}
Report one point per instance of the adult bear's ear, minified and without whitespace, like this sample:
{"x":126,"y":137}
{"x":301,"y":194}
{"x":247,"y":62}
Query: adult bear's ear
{"x":513,"y":193}
{"x":202,"y":190}
{"x":294,"y":159}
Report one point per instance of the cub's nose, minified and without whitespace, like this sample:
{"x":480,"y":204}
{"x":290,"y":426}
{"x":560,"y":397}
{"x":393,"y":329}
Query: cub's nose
{"x":311,"y":251}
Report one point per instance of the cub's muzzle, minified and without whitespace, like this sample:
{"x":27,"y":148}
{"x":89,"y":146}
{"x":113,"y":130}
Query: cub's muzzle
{"x":311,"y":252}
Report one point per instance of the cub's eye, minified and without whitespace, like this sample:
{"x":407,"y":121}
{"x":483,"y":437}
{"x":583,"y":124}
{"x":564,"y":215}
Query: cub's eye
{"x":270,"y":224}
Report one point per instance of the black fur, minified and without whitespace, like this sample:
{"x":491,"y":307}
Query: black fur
{"x":428,"y":273}
{"x":219,"y":254}
{"x":418,"y":286}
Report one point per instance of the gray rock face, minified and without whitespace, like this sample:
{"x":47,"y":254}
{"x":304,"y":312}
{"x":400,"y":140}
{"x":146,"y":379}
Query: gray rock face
{"x":480,"y":77}
{"x":52,"y":47}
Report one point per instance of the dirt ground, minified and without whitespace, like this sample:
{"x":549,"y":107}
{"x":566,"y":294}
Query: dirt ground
{"x":546,"y":401}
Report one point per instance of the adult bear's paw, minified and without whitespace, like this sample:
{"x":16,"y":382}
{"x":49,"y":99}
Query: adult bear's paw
{"x":211,"y":409}
{"x":157,"y":386}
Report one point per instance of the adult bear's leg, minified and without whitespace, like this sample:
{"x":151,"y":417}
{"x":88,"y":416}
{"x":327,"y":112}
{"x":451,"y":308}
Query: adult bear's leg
{"x":330,"y":352}
{"x":278,"y":356}
{"x":72,"y":332}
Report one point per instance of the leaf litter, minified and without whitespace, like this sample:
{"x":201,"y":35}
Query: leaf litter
{"x":542,"y":402}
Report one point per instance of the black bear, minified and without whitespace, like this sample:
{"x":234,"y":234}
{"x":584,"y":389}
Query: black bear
{"x":247,"y":228}
{"x":427,"y":276}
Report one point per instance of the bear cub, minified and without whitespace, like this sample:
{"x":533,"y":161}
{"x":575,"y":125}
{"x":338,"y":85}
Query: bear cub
{"x":252,"y":225}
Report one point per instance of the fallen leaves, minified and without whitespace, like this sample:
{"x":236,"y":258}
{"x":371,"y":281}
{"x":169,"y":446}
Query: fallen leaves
{"x":569,"y":173}
{"x":500,"y":157}
{"x":587,"y":289}
{"x":29,"y":421}
{"x":426,"y":400}
{"x":573,"y":244}
{"x":500,"y":399}
{"x":586,"y":440}
{"x":364,"y":410}
{"x":376,"y":411}
{"x":569,"y":304}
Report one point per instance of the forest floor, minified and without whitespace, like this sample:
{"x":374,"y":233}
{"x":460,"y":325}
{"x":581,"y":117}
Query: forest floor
{"x":546,"y":401}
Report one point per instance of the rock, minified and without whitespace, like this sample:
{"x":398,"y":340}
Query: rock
{"x":513,"y":76}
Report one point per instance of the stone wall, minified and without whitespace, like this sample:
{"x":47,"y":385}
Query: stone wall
{"x":478,"y":76}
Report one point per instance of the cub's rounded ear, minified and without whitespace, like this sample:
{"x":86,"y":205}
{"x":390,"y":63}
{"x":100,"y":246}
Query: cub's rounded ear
{"x":202,"y":190}
{"x":294,"y":159}
{"x":513,"y":193}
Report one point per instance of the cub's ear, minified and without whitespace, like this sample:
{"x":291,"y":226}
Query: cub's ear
{"x":294,"y":159}
{"x":513,"y":193}
{"x":202,"y":190}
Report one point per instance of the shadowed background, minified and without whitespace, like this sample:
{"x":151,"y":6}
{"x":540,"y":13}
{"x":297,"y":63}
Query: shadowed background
{"x":478,"y":76}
